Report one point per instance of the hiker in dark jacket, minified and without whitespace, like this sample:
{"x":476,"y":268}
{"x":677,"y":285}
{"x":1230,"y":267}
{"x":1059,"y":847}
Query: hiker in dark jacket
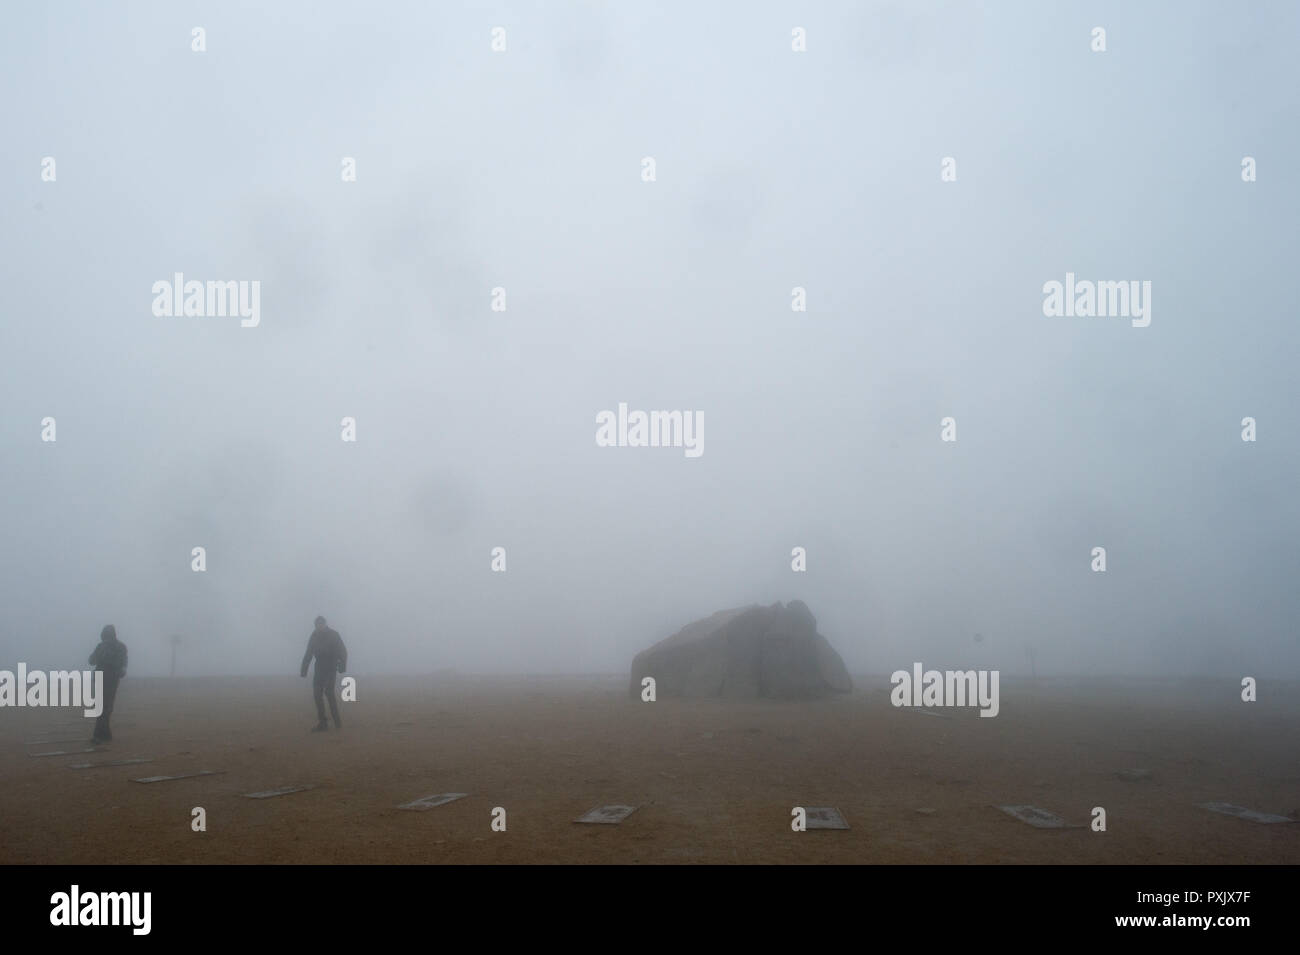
{"x":110,"y":659}
{"x":331,"y":658}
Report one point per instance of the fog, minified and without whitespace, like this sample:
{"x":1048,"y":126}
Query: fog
{"x":475,"y":428}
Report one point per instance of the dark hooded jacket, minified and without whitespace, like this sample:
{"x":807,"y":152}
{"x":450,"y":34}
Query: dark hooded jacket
{"x":330,"y":653}
{"x":110,"y":655}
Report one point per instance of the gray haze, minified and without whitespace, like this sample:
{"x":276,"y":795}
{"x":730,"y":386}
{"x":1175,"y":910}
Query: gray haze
{"x":476,"y":428}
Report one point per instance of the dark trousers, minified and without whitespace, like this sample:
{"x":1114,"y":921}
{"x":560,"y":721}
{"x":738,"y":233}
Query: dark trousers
{"x":323,"y":688}
{"x":102,"y":732}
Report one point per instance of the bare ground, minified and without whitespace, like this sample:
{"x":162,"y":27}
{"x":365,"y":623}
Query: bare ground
{"x":714,"y":782}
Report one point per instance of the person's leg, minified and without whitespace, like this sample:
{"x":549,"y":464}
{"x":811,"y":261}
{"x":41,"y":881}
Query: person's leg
{"x":102,"y":732}
{"x":334,"y":707}
{"x":318,"y":690}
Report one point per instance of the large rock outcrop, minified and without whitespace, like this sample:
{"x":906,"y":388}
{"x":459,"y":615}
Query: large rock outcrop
{"x":743,"y":654}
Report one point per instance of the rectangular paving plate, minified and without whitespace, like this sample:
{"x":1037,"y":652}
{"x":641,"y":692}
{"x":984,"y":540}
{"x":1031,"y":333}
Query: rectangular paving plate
{"x":54,"y":742}
{"x":1228,"y":809}
{"x":63,"y":752}
{"x":282,"y":791}
{"x":606,"y":815}
{"x":1133,"y":775}
{"x":1038,"y":818}
{"x":161,"y":779}
{"x":432,"y":802}
{"x":113,"y":762}
{"x":825,"y":817}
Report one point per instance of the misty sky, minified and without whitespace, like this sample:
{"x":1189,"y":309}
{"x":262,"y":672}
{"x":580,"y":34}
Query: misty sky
{"x":475,"y":428}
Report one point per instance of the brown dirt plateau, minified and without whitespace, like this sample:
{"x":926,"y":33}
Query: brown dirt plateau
{"x":713,"y":782}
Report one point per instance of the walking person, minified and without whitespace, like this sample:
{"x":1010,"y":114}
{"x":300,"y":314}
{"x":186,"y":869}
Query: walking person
{"x":110,"y":659}
{"x":331,"y":659}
